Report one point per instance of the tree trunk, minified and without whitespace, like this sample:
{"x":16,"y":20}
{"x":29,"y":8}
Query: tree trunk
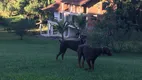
{"x":21,"y":37}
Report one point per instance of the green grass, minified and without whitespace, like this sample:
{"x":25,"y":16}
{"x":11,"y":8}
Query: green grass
{"x":34,"y":59}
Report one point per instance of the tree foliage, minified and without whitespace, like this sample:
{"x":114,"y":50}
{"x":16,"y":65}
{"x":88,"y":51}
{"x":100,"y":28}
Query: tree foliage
{"x":116,"y":27}
{"x":130,"y":13}
{"x":23,"y":7}
{"x":4,"y":22}
{"x":21,"y":27}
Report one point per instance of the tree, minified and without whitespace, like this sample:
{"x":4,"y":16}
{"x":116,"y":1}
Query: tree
{"x":116,"y":26}
{"x":130,"y":13}
{"x":11,"y":9}
{"x":21,"y":27}
{"x":4,"y":22}
{"x":5,"y":2}
{"x":20,"y":5}
{"x":23,"y":7}
{"x":1,"y":6}
{"x":32,"y":7}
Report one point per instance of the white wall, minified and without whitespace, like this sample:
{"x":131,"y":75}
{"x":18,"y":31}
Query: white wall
{"x":71,"y":32}
{"x":57,"y":16}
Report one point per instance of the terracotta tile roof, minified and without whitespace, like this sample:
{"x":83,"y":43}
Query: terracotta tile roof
{"x":53,"y":7}
{"x":57,"y":5}
{"x":58,"y":1}
{"x":75,"y":2}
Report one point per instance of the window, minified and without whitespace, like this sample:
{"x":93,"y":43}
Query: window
{"x":85,"y":11}
{"x":55,"y":15}
{"x":67,"y":18}
{"x":61,"y":16}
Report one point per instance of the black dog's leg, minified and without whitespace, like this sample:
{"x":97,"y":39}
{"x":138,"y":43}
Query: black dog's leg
{"x":89,"y":64}
{"x":63,"y":56}
{"x":93,"y":61}
{"x":79,"y":60}
{"x":58,"y":55}
{"x":83,"y":61}
{"x":62,"y":51}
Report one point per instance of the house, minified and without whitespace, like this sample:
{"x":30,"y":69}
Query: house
{"x":67,"y":9}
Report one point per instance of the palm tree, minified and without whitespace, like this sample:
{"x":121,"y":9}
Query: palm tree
{"x":62,"y":26}
{"x":80,"y":22}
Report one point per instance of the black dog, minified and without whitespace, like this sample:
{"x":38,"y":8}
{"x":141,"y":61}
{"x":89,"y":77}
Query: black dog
{"x":90,"y":54}
{"x":72,"y":44}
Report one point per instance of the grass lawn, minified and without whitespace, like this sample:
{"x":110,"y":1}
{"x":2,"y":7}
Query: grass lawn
{"x":34,"y":59}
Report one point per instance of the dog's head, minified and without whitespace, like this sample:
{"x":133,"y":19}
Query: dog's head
{"x":107,"y":51}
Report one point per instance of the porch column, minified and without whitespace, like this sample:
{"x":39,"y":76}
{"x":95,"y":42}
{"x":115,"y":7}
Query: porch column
{"x":69,"y":31}
{"x":81,"y":9}
{"x":64,"y":16}
{"x":51,"y":30}
{"x":62,"y":6}
{"x":40,"y":28}
{"x":73,"y":9}
{"x":87,"y":10}
{"x":48,"y":30}
{"x":70,"y":8}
